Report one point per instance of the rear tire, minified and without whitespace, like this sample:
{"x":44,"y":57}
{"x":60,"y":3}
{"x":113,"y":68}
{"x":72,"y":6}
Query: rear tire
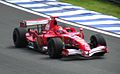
{"x":96,"y":40}
{"x":55,"y":46}
{"x":19,"y":37}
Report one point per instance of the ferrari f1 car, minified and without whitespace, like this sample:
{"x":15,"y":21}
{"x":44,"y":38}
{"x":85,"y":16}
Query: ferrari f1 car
{"x":47,"y":36}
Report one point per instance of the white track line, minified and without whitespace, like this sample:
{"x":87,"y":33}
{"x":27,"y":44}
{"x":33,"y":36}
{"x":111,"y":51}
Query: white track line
{"x":72,"y":13}
{"x":56,"y":3}
{"x":118,"y":32}
{"x":33,"y":5}
{"x":14,"y":1}
{"x":110,"y":28}
{"x":48,"y":9}
{"x":93,"y":17}
{"x":42,"y":0}
{"x":67,"y":22}
{"x":71,"y":7}
{"x":101,"y":22}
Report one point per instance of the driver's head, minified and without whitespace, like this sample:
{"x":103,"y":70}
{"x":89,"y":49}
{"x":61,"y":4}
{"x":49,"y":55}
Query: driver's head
{"x":55,"y":22}
{"x":53,"y":19}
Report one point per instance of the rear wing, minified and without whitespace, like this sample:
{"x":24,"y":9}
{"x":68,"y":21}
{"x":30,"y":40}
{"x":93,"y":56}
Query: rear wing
{"x":29,"y":23}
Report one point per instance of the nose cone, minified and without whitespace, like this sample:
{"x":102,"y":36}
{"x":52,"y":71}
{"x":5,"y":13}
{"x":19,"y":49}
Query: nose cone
{"x":85,"y":47}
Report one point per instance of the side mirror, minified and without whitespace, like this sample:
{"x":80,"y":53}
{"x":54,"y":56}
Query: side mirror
{"x":81,"y":33}
{"x":80,"y":29}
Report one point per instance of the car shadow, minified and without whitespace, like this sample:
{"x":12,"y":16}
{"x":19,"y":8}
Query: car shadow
{"x":73,"y":58}
{"x":46,"y":56}
{"x":26,"y":50}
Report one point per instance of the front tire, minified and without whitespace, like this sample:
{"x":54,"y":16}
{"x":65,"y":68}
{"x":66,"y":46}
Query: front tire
{"x":19,"y":37}
{"x":55,"y":46}
{"x":96,"y":40}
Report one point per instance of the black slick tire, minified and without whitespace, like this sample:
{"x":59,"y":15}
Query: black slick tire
{"x":19,"y":37}
{"x":55,"y":46}
{"x":96,"y":40}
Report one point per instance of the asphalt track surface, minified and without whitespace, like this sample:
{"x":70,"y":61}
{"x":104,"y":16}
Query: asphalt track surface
{"x":25,"y":61}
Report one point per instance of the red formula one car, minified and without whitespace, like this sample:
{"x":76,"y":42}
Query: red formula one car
{"x":46,"y":35}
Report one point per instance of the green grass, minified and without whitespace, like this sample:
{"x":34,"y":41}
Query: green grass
{"x":101,"y":6}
